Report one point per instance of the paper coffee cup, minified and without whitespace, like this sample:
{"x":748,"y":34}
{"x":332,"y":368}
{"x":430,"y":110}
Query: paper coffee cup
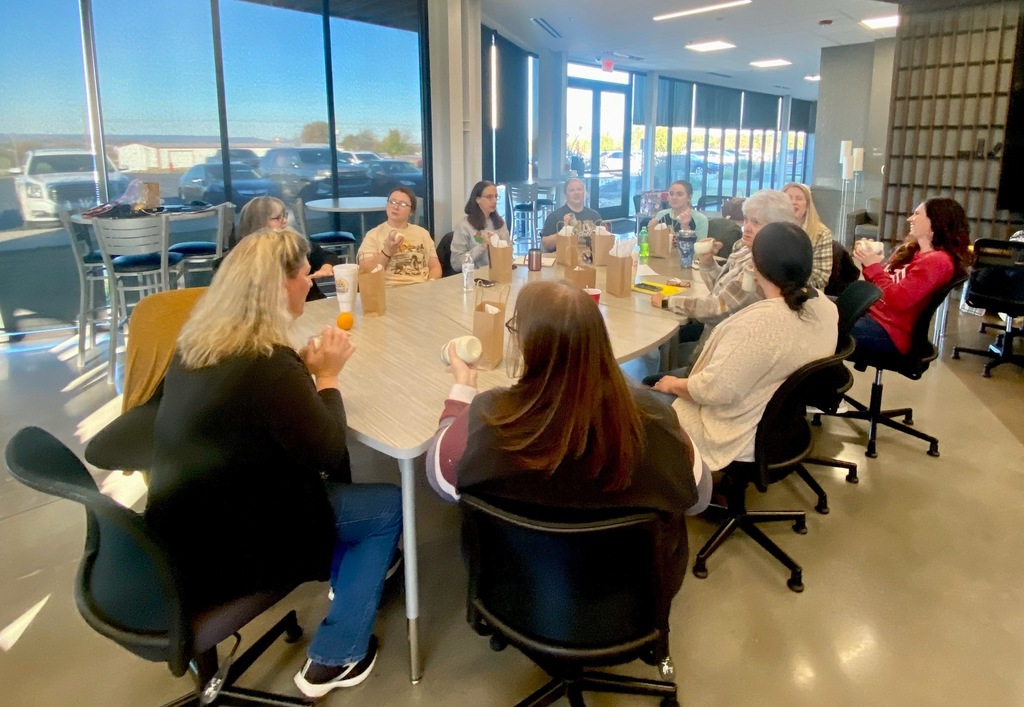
{"x":704,"y":245}
{"x":467,"y":348}
{"x":748,"y":284}
{"x":346,"y":283}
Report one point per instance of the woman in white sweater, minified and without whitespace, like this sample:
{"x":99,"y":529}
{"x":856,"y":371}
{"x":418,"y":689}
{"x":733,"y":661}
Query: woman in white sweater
{"x":469,"y":234}
{"x":750,"y":354}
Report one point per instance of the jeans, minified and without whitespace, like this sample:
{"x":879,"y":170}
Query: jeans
{"x":368,"y":521}
{"x":872,"y":336}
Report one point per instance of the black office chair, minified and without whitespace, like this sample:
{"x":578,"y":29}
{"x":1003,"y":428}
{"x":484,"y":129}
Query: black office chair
{"x":726,"y":231}
{"x":912,"y":365}
{"x":341,"y":243}
{"x":127,"y":588}
{"x":444,"y":254}
{"x":782,"y":445}
{"x":997,"y":284}
{"x":853,"y":304}
{"x":570,"y":595}
{"x":844,"y":271}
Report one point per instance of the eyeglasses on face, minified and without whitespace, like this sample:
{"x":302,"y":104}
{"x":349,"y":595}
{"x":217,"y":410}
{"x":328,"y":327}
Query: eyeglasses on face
{"x":512,"y":326}
{"x":280,"y":217}
{"x":399,"y":204}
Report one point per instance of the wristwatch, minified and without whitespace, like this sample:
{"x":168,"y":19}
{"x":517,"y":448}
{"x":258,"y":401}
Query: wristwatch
{"x":664,"y":303}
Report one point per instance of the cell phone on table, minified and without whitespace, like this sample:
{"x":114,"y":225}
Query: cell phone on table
{"x":646,"y":287}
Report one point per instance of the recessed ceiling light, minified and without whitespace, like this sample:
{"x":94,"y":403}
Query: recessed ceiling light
{"x":881,"y":22}
{"x":698,"y":10}
{"x":710,"y":46}
{"x":770,"y":63}
{"x":812,"y":77}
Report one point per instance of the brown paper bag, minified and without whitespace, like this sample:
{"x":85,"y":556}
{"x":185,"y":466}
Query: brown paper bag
{"x":501,"y":263}
{"x":152,"y":194}
{"x":660,"y":240}
{"x":562,"y":242}
{"x":619,"y":280}
{"x":578,"y":273}
{"x":603,"y":242}
{"x":489,"y":327}
{"x":372,"y":293}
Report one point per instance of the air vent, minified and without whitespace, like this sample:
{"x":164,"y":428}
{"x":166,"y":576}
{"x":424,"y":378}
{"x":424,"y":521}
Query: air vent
{"x":720,"y":75}
{"x":546,"y":26}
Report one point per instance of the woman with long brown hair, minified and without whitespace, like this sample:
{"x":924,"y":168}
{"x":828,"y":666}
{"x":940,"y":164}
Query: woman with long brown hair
{"x":570,"y":432}
{"x":935,"y":249}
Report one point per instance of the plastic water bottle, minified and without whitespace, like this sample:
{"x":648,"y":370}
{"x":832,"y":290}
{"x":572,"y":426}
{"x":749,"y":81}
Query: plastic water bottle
{"x":468,"y":268}
{"x":644,"y":244}
{"x":636,"y":260}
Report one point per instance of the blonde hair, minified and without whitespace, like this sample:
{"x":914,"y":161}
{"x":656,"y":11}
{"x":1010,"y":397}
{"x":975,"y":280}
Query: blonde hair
{"x":245,"y":310}
{"x":256,"y":215}
{"x":812,"y":221}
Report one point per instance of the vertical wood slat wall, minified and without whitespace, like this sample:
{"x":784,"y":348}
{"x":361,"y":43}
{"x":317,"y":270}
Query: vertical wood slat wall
{"x":947,"y":120}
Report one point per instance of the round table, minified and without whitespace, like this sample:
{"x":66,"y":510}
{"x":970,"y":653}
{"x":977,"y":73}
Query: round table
{"x":350,"y":205}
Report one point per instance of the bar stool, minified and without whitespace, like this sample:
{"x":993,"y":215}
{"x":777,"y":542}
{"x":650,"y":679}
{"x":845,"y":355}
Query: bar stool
{"x":547,"y":199}
{"x":341,"y":243}
{"x":523,"y":198}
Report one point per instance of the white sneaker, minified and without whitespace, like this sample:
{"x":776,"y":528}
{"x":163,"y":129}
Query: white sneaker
{"x":351,"y":674}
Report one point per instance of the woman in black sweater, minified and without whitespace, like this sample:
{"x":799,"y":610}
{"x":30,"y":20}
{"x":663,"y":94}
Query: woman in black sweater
{"x":242,"y":436}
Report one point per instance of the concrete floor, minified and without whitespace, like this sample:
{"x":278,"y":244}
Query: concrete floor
{"x":913,"y":582}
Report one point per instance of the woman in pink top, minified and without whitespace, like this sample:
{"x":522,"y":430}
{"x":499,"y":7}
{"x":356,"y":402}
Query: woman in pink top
{"x":936,"y":248}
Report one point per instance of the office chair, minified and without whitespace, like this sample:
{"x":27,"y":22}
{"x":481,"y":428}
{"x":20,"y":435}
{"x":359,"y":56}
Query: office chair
{"x":341,"y":243}
{"x":997,"y":284}
{"x":127,"y":588}
{"x":782,"y":445}
{"x":912,"y":365}
{"x":570,"y":595}
{"x":444,"y":254}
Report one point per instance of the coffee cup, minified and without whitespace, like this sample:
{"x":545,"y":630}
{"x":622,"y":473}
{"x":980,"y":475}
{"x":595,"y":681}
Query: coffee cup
{"x":467,"y":348}
{"x":346,"y":283}
{"x":748,"y":284}
{"x":703,"y":246}
{"x":595,"y":294}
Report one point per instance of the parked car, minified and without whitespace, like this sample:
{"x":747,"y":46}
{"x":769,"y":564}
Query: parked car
{"x":306,"y":171}
{"x":385,"y":175}
{"x":205,"y":182}
{"x":360,"y":157}
{"x":612,"y":161}
{"x":237,"y":154}
{"x":53,"y":180}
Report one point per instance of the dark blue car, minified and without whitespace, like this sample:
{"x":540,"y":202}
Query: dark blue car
{"x":205,"y":182}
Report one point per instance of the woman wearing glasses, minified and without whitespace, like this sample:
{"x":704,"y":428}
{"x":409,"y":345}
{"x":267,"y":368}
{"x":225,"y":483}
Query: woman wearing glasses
{"x":270,"y":212}
{"x":569,"y":433}
{"x":403,"y":249}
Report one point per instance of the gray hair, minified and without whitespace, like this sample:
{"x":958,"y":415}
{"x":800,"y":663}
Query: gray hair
{"x":769,"y":206}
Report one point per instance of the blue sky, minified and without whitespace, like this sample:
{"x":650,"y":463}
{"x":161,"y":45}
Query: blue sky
{"x":161,"y":81}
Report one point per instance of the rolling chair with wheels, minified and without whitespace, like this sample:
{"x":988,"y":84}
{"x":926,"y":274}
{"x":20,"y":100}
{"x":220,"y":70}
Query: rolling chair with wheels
{"x":128,"y":590}
{"x":782,"y":445}
{"x":570,"y":595}
{"x":444,"y":254}
{"x":911,"y":365}
{"x":341,"y":243}
{"x":997,"y":284}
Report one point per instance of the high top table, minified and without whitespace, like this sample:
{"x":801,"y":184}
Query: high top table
{"x":361,"y":205}
{"x":394,"y":386}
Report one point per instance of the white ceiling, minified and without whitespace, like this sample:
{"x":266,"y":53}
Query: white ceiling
{"x":765,"y":29}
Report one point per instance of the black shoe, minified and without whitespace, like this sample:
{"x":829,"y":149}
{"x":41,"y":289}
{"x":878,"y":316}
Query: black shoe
{"x":316,"y":680}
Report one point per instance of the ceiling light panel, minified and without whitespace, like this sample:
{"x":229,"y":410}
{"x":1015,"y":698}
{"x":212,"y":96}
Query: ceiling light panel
{"x":714,"y":46}
{"x":699,"y":10}
{"x":881,"y":22}
{"x":812,"y":77}
{"x":770,"y":63}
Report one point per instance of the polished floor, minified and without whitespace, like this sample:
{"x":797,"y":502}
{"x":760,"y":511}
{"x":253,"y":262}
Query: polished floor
{"x":914,"y":582}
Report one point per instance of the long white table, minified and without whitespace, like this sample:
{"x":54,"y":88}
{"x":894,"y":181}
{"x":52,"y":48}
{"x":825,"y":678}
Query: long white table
{"x":394,"y":386}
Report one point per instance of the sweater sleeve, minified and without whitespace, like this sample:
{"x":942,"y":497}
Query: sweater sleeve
{"x":700,"y":222}
{"x":822,"y":264}
{"x":311,"y":425}
{"x":923,"y":276}
{"x":712,"y":309}
{"x":463,"y":242}
{"x":449,"y":442}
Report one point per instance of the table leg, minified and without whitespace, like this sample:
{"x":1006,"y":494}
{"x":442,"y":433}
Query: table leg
{"x":412,"y":587}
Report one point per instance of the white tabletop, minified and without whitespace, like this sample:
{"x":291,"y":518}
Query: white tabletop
{"x":350,"y":204}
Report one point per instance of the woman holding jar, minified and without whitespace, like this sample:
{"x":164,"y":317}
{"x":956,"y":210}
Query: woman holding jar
{"x":405,"y":250}
{"x":680,"y":215}
{"x":481,"y":218}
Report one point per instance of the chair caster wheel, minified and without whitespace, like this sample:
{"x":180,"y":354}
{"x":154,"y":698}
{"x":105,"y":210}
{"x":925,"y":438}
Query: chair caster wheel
{"x":852,"y":478}
{"x":800,"y":526}
{"x":933,"y":451}
{"x":796,"y":581}
{"x":908,"y":420}
{"x":822,"y":508}
{"x":816,"y":420}
{"x":497,"y":643}
{"x":669,"y":702}
{"x":700,"y":570}
{"x":956,"y":355}
{"x":986,"y":374}
{"x":871,"y":453}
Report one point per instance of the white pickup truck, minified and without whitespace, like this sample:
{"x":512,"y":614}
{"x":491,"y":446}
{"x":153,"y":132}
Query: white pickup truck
{"x":54,"y":180}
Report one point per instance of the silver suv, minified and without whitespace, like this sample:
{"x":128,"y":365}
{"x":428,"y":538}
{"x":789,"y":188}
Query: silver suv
{"x":54,"y":180}
{"x":306,"y":172}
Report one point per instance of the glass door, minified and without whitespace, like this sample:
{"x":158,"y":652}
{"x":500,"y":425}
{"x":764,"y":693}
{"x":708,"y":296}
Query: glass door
{"x":599,"y":146}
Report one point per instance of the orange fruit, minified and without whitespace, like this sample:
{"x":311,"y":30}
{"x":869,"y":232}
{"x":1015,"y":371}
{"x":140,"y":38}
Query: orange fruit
{"x":345,"y":320}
